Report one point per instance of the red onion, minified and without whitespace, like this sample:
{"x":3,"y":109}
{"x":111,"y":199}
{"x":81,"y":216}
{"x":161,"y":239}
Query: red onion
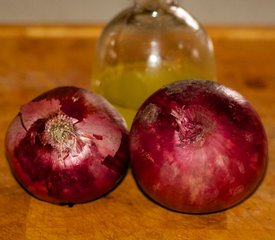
{"x":68,"y":146}
{"x":197,"y":147}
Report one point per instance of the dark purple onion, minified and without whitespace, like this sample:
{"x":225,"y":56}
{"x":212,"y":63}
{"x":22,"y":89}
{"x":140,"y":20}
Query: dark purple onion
{"x":198,"y":147}
{"x":68,"y":145}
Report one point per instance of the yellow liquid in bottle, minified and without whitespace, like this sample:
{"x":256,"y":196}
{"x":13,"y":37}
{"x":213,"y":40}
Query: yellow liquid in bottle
{"x":127,"y":87}
{"x":145,"y":47}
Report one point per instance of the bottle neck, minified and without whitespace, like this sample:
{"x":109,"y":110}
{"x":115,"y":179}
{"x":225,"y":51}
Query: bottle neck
{"x":168,"y":7}
{"x":153,"y":4}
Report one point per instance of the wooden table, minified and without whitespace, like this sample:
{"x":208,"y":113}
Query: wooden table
{"x":36,"y":58}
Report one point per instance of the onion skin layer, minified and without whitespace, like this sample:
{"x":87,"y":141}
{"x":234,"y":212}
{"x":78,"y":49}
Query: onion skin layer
{"x":197,"y":147}
{"x":68,"y":146}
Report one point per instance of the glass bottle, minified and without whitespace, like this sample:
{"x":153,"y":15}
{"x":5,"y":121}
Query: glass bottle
{"x":150,"y":44}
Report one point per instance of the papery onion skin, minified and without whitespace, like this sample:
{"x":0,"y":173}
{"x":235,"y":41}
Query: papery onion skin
{"x":198,"y":147}
{"x":68,"y":146}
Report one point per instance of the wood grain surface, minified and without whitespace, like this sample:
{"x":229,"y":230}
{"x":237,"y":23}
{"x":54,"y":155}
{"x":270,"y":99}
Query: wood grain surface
{"x":34,"y":59}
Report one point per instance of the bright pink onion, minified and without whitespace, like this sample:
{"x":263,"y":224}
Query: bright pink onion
{"x":197,"y":147}
{"x":68,"y":146}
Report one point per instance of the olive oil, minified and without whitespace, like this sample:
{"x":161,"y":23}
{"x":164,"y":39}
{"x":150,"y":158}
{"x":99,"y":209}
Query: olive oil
{"x":148,"y":45}
{"x":127,"y":86}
